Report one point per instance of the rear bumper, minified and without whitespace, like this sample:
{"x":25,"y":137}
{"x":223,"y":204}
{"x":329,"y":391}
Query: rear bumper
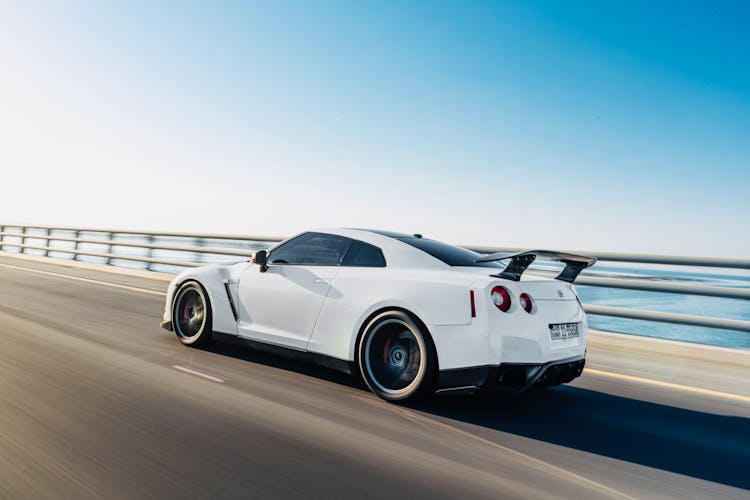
{"x":510,"y":377}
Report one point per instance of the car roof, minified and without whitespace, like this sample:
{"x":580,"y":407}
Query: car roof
{"x":383,"y":239}
{"x":390,"y":234}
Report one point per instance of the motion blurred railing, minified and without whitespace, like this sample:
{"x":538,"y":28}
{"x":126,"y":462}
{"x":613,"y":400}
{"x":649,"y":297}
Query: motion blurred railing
{"x":195,"y":249}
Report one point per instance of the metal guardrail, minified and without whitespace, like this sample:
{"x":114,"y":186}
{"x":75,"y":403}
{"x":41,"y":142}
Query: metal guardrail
{"x":203,"y":247}
{"x":111,"y":239}
{"x":662,"y":317}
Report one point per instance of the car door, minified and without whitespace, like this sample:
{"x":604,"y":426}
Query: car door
{"x":282,"y":304}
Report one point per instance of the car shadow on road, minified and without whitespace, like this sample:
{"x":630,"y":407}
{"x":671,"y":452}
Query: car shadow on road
{"x":245,"y":353}
{"x":702,"y":445}
{"x":698,"y":444}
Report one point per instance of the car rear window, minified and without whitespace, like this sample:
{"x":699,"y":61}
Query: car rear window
{"x":450,"y":254}
{"x":363,"y":254}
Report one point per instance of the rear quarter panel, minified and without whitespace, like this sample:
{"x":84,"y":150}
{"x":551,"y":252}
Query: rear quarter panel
{"x":437,"y":298}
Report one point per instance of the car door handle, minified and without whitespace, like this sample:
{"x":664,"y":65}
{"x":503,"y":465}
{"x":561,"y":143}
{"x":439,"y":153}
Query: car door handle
{"x":322,"y":280}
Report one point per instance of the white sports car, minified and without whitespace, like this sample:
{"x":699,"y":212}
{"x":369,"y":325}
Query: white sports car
{"x":415,"y":316}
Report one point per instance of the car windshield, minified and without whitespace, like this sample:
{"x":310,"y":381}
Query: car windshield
{"x":450,"y":254}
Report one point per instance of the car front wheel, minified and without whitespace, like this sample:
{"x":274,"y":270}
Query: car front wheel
{"x":191,"y":315}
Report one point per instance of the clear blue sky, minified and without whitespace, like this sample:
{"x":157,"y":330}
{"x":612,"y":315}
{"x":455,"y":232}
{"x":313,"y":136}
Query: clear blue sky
{"x":590,"y":125}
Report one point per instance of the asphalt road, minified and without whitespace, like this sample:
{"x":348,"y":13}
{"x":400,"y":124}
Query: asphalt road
{"x":97,"y":402}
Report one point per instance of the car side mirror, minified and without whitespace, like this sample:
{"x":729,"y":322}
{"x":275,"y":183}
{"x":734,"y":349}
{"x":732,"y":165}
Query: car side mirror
{"x":260,"y":258}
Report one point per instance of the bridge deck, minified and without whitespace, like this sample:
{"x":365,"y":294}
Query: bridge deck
{"x":97,"y":401}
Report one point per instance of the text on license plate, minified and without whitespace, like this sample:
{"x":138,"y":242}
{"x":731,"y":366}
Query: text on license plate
{"x":563,"y":330}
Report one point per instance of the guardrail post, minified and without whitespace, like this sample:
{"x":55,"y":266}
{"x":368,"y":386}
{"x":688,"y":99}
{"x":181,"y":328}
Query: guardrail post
{"x":150,"y":253}
{"x":23,"y":239}
{"x":2,"y":230}
{"x":46,"y":252}
{"x":109,"y":248}
{"x":76,"y":235}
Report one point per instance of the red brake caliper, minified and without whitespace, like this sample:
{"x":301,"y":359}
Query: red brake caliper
{"x":385,"y":351}
{"x":184,"y":313}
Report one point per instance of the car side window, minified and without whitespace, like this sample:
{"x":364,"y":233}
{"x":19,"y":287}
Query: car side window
{"x":363,"y":254}
{"x":311,"y":249}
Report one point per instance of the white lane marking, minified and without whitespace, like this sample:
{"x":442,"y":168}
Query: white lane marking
{"x":199,"y":374}
{"x":669,"y":385}
{"x":87,"y":280}
{"x":416,"y":417}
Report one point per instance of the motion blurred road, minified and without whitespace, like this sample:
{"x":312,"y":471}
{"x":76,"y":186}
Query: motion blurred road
{"x":97,"y":402}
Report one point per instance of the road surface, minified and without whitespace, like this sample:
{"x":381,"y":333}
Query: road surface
{"x":97,"y":402}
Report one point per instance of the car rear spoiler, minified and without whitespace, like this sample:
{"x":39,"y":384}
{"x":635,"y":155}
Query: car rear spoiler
{"x":574,"y":264}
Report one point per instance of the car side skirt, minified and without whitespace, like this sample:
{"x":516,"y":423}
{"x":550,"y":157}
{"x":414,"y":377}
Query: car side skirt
{"x":313,"y":358}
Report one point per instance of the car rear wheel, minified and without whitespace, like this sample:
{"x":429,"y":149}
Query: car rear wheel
{"x":191,"y":315}
{"x":397,"y":358}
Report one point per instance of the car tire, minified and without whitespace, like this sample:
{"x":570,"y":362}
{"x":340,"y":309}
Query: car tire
{"x":191,"y":315}
{"x":397,"y":358}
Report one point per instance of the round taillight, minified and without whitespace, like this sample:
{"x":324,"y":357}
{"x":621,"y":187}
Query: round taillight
{"x":501,"y":298}
{"x":526,"y":302}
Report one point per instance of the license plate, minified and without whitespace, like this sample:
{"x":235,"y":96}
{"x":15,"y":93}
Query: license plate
{"x":563,"y":331}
